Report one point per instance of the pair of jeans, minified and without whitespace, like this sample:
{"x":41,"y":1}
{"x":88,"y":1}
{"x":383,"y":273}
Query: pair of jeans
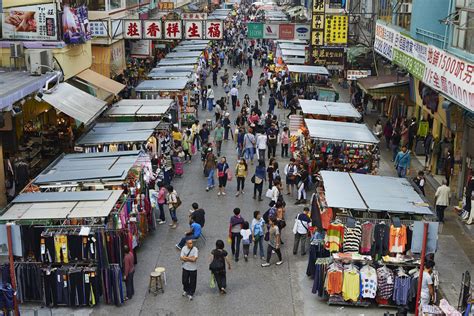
{"x":298,"y":238}
{"x":189,"y":280}
{"x":271,"y":150}
{"x":440,"y":212}
{"x":235,"y":245}
{"x":261,"y":154}
{"x":394,"y":151}
{"x":402,"y":172}
{"x":129,"y":285}
{"x":183,"y":240}
{"x":161,"y":206}
{"x":196,"y":142}
{"x":284,"y":150}
{"x":269,"y":253}
{"x":258,"y":188}
{"x":218,"y":147}
{"x":221,"y":279}
{"x":240,"y":183}
{"x":301,"y":192}
{"x":258,"y":244}
{"x":245,"y":249}
{"x":210,"y":179}
{"x":210,"y":104}
{"x":226,"y":132}
{"x":248,"y":153}
{"x":173,"y":214}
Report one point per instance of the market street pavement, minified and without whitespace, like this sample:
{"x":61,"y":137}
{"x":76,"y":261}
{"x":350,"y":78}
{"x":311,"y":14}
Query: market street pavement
{"x":252,"y":290}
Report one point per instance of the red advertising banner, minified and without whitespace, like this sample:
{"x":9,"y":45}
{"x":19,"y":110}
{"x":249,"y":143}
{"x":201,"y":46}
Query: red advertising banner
{"x":287,"y":31}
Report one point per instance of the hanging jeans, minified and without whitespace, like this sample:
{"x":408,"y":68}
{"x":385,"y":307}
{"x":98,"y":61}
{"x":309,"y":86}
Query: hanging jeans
{"x":189,"y":280}
{"x":77,"y":296}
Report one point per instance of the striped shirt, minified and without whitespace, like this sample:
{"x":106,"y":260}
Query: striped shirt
{"x":352,"y":237}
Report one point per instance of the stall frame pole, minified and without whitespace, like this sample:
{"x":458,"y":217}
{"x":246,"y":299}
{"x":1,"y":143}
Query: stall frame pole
{"x":422,"y":267}
{"x":12,"y":268}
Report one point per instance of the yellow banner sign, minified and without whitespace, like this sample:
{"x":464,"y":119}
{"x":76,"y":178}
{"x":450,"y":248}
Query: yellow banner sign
{"x":335,"y":32}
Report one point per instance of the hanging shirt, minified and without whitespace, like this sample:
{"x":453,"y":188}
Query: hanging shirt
{"x":351,"y":285}
{"x":368,"y":278}
{"x":398,"y":239}
{"x":334,"y":237}
{"x":401,"y":289}
{"x":352,"y":237}
{"x":367,"y":238}
{"x":334,"y":282}
{"x":385,"y":282}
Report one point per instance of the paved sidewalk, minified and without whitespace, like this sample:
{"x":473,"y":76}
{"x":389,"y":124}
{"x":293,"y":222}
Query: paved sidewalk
{"x":455,"y":253}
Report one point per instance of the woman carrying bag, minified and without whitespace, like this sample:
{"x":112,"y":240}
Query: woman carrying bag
{"x":217,"y":266}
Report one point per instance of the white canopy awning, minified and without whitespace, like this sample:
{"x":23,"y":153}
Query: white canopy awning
{"x":317,"y":70}
{"x":76,"y":103}
{"x":139,"y":107}
{"x":340,"y":131}
{"x":327,"y":108}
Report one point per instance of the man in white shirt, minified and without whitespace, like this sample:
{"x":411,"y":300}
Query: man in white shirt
{"x":189,"y":256}
{"x":210,"y":98}
{"x":234,"y":94}
{"x":442,"y":195}
{"x":261,"y":146}
{"x":301,"y":230}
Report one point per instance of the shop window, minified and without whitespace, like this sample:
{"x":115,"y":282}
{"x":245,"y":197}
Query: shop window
{"x":96,"y":5}
{"x":463,"y":30}
{"x":131,"y":3}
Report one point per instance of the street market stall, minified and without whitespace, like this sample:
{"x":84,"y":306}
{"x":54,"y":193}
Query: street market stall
{"x":184,"y":54}
{"x":371,"y":228}
{"x":312,"y":82}
{"x":293,"y":56}
{"x":189,"y":48}
{"x":340,"y":146}
{"x":132,"y":110}
{"x":177,"y":61}
{"x":331,"y":111}
{"x":177,"y":89}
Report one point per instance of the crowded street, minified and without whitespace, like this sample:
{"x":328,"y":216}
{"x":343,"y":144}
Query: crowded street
{"x":236,"y":158}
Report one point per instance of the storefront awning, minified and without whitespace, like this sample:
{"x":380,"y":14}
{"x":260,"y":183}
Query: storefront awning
{"x":372,"y":193}
{"x":61,"y":205}
{"x":293,"y":52}
{"x":100,"y":81}
{"x":91,"y":167}
{"x":170,"y":75}
{"x":118,"y":132}
{"x":340,"y":132}
{"x":138,"y":107}
{"x":75,"y":103}
{"x":188,"y":48}
{"x":184,"y":54}
{"x":177,"y":61}
{"x":317,"y":70}
{"x":162,"y":85}
{"x":383,"y":86}
{"x":326,"y":108}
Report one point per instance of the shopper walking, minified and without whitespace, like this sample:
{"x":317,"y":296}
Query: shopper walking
{"x":218,"y":137}
{"x":222,"y":175}
{"x":442,"y":196}
{"x":402,"y":162}
{"x":210,"y":164}
{"x":235,"y":226}
{"x":302,"y":183}
{"x":161,"y":201}
{"x":273,"y":243}
{"x":388,"y":132}
{"x":285,"y":142}
{"x":290,"y":173}
{"x":241,"y":174}
{"x":257,"y":227}
{"x":272,"y":136}
{"x":249,"y":146}
{"x":261,"y":145}
{"x":189,"y":256}
{"x":173,"y":203}
{"x":249,"y":74}
{"x":258,"y":179}
{"x":210,"y":98}
{"x":301,"y":230}
{"x":395,"y":143}
{"x":217,"y":266}
{"x":128,"y":271}
{"x":246,"y":235}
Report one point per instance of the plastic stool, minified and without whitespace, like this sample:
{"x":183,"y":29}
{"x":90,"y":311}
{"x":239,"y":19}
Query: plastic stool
{"x":162,"y":271}
{"x":156,"y":283}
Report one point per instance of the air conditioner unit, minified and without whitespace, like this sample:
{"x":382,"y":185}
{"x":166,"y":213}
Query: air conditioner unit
{"x":39,"y":61}
{"x":405,"y":8}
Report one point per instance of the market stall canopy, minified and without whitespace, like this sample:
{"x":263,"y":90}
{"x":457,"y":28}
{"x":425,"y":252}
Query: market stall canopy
{"x":162,"y":85}
{"x":139,"y":107}
{"x":382,"y":86}
{"x":188,"y":48}
{"x":101,"y":81}
{"x":15,"y":85}
{"x":184,"y":54}
{"x":327,"y":108}
{"x":170,"y":75}
{"x":118,"y":132}
{"x":194,"y":42}
{"x":183,"y":68}
{"x":293,"y":60}
{"x":297,"y":46}
{"x":293,"y":52}
{"x":177,"y":61}
{"x":318,"y":70}
{"x":90,"y":167}
{"x":61,"y":205}
{"x":340,"y":131}
{"x":74,"y":102}
{"x":372,"y":193}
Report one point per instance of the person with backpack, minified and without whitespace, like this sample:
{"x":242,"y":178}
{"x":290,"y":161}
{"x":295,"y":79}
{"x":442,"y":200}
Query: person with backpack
{"x":246,"y":235}
{"x":273,"y":243}
{"x":236,"y":222}
{"x":217,"y":266}
{"x":173,"y":203}
{"x":301,"y":230}
{"x":290,"y":173}
{"x":258,"y":232}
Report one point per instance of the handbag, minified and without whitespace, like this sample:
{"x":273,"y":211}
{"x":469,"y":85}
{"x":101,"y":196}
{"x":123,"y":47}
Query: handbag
{"x":212,"y":282}
{"x":269,"y":193}
{"x":258,"y":180}
{"x":253,"y":179}
{"x":178,"y":202}
{"x":229,"y":175}
{"x":193,"y":149}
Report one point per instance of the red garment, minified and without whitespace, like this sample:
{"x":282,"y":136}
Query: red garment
{"x":129,"y":267}
{"x":326,"y":217}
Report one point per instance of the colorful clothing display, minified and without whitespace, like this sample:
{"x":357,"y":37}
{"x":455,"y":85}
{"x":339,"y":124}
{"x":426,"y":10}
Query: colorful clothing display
{"x":351,"y":284}
{"x":334,"y":237}
{"x":368,"y":284}
{"x":352,"y":238}
{"x":398,"y":239}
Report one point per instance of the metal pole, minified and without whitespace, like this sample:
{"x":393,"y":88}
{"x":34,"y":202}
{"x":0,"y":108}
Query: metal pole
{"x":12,"y":267}
{"x":422,"y":267}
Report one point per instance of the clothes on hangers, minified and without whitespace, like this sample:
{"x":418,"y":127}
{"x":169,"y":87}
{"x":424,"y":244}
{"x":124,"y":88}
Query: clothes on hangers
{"x":368,"y":278}
{"x":351,"y":284}
{"x":381,"y":238}
{"x":352,"y":238}
{"x":334,"y":237}
{"x":367,"y":238}
{"x":398,"y":239}
{"x":334,"y":279}
{"x":401,"y":289}
{"x":385,"y":282}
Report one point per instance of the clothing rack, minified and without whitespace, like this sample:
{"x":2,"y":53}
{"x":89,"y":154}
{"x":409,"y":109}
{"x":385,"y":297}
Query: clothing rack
{"x":343,"y":219}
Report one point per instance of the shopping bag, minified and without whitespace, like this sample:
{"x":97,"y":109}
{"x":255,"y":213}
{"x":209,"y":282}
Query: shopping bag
{"x":193,"y":149}
{"x":212,"y":282}
{"x":229,"y":240}
{"x":229,"y":175}
{"x":269,"y":193}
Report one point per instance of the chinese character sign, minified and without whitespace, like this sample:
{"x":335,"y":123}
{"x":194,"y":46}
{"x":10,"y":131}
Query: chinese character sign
{"x":166,"y":6}
{"x":318,"y":6}
{"x":30,"y":23}
{"x":193,"y":29}
{"x":132,"y":29}
{"x":172,"y":30}
{"x":214,"y":30}
{"x":98,"y":29}
{"x":330,"y":57}
{"x":335,"y":32}
{"x":194,"y":16}
{"x":152,"y":29}
{"x":451,"y":75}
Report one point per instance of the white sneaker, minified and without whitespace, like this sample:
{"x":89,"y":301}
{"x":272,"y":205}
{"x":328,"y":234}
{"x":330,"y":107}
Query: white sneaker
{"x":279,"y":262}
{"x":242,"y":192}
{"x":185,"y":294}
{"x":190,"y":297}
{"x":218,"y":193}
{"x":237,"y":194}
{"x":266,"y":264}
{"x":223,"y":193}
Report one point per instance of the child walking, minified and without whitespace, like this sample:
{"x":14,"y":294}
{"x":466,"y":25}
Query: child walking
{"x":246,"y":234}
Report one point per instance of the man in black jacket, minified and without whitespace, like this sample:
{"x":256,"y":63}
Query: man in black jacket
{"x":198,"y":214}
